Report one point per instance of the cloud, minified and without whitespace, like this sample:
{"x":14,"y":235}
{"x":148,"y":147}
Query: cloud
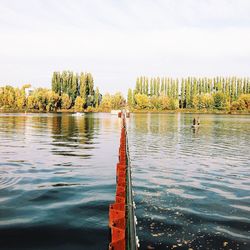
{"x":119,"y":40}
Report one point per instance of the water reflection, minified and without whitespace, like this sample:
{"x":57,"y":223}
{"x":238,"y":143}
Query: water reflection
{"x":73,"y":134}
{"x":57,"y":179}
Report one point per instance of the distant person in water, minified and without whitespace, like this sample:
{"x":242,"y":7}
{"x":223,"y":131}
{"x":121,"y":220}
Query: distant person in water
{"x":194,"y":121}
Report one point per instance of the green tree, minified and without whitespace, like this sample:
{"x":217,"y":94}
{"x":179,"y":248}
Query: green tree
{"x":182,"y":93}
{"x":177,"y":89}
{"x":97,"y":97}
{"x":239,"y":87}
{"x":188,"y":93}
{"x":143,"y":86}
{"x":155,"y":86}
{"x":56,"y":82}
{"x":162,"y":86}
{"x":233,"y":89}
{"x":90,"y":84}
{"x":130,"y":98}
{"x":194,"y":91}
{"x":74,"y":87}
{"x":146,"y":86}
{"x":151,"y":87}
{"x":64,"y":81}
{"x":219,"y":100}
{"x":158,"y":86}
{"x":82,"y":86}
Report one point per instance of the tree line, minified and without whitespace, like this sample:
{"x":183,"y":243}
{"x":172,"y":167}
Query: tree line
{"x":76,"y":89}
{"x":190,"y":93}
{"x":76,"y":92}
{"x":41,"y":99}
{"x":69,"y":91}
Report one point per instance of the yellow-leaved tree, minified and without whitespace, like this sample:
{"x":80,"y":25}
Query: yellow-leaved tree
{"x":79,"y":104}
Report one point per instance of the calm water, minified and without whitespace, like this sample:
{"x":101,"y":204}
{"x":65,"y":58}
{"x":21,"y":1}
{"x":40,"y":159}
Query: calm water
{"x":57,"y":178}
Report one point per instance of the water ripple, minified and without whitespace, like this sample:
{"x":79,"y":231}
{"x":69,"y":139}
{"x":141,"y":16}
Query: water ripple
{"x":192,"y":189}
{"x":57,"y":179}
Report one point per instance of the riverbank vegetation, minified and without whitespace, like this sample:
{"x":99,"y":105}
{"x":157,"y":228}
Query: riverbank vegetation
{"x":69,"y":92}
{"x":76,"y":92}
{"x":197,"y":94}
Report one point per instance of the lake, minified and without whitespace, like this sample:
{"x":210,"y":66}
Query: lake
{"x":57,"y":179}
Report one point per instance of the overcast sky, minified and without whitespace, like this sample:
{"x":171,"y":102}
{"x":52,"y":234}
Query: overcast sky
{"x":119,"y":40}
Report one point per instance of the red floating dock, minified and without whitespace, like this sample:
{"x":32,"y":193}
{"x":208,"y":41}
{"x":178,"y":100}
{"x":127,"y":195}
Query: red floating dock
{"x":121,"y":212}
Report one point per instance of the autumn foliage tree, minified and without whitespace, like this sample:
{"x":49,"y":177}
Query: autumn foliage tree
{"x":188,"y":93}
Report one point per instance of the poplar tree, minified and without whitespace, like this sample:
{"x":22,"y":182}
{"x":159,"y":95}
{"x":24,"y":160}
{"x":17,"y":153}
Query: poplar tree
{"x":244,"y":86}
{"x":239,"y":87}
{"x":155,"y":86}
{"x":151,"y":87}
{"x":146,"y":86}
{"x":82,"y":86}
{"x":143,"y":86}
{"x":209,"y":86}
{"x":182,"y":93}
{"x":168,"y":88}
{"x":172,"y":83}
{"x":64,"y":81}
{"x":177,"y":89}
{"x":187,"y":91}
{"x":158,"y":86}
{"x":199,"y":86}
{"x":130,"y":98}
{"x":97,"y":97}
{"x":90,"y":84}
{"x":202,"y":86}
{"x":194,"y":87}
{"x":54,"y":82}
{"x":69,"y":84}
{"x":165,"y":86}
{"x":227,"y":89}
{"x":162,"y":86}
{"x":248,"y":86}
{"x":206,"y":85}
{"x":233,"y":89}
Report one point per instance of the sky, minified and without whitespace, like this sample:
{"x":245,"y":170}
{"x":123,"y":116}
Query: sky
{"x":118,"y":40}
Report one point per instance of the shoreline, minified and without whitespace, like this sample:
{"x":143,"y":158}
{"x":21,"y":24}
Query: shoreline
{"x":134,"y":111}
{"x":193,"y":111}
